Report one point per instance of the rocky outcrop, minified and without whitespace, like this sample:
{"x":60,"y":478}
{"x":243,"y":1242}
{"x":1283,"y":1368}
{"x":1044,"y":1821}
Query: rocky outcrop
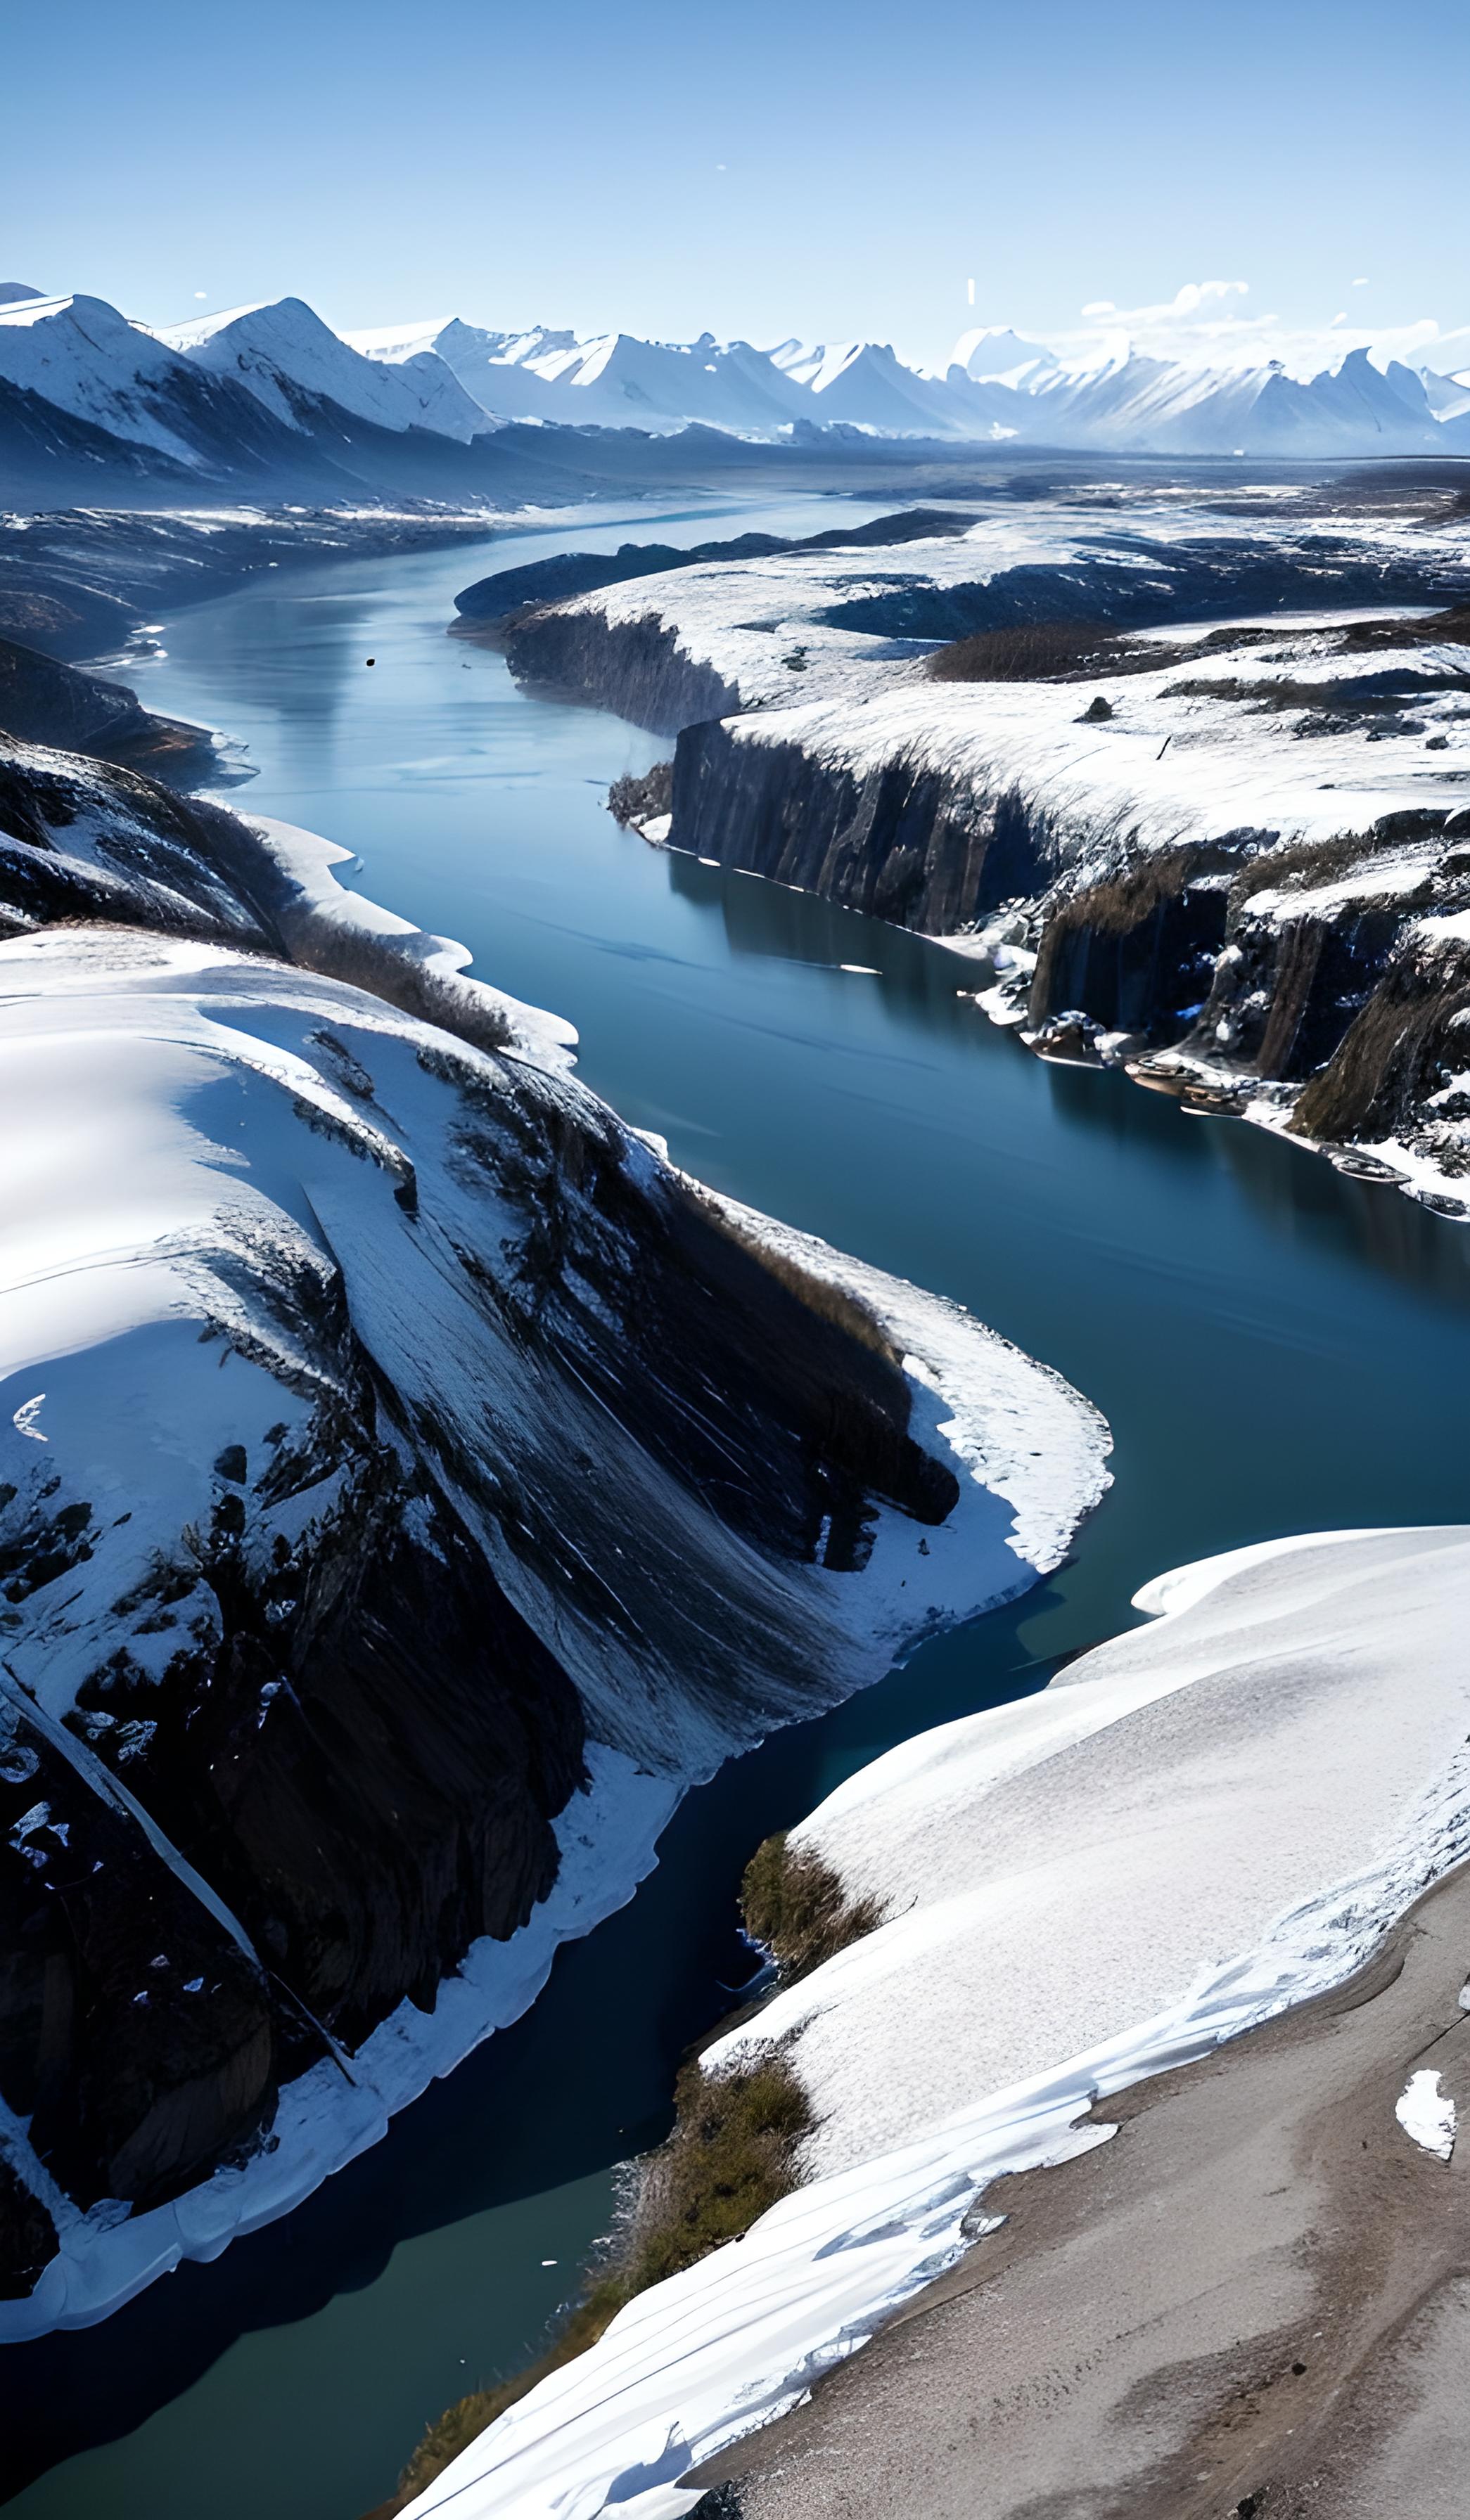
{"x":140,"y":2040}
{"x":1402,"y":1068}
{"x":902,"y":839}
{"x":636,"y":668}
{"x":45,"y":702}
{"x":1133,"y":954}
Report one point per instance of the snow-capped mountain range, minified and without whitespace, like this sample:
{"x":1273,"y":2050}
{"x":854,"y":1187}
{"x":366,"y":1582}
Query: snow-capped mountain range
{"x":269,"y":389}
{"x":996,"y":387}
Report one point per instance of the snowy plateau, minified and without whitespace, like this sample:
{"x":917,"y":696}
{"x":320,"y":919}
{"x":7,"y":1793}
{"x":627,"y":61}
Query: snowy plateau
{"x":409,"y":1485}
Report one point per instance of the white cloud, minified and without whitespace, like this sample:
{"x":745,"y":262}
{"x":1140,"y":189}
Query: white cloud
{"x":1206,"y":324}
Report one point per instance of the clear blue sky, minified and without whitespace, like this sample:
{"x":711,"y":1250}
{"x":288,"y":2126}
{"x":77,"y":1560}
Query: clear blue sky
{"x":799,"y":165}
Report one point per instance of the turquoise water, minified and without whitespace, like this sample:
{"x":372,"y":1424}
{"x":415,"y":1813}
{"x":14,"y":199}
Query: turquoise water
{"x":1277,"y":1349}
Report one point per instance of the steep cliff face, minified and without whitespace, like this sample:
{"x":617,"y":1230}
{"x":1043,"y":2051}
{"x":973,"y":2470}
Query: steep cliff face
{"x":1234,"y":860}
{"x":408,"y":1483}
{"x":636,"y":668}
{"x":899,"y":837}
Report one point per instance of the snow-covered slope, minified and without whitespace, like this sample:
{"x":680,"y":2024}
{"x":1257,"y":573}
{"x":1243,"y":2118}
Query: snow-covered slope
{"x":1191,"y":1829}
{"x":1448,"y":397}
{"x":408,"y":1484}
{"x":994,"y":353}
{"x":616,"y":381}
{"x":1132,"y":403}
{"x":997,"y":386}
{"x":290,"y":360}
{"x":862,"y":384}
{"x":88,"y":360}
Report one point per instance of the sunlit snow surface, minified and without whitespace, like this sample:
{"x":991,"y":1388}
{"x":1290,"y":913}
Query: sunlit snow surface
{"x":1194,"y":1826}
{"x":1427,"y":2114}
{"x":277,"y":351}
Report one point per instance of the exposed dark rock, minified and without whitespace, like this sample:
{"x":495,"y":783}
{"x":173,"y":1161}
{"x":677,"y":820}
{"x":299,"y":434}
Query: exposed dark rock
{"x":1409,"y":1039}
{"x":27,"y":2236}
{"x":634,"y":801}
{"x":636,"y":667}
{"x":136,"y":2035}
{"x":363,"y":1748}
{"x":45,"y":702}
{"x":903,"y":844}
{"x":1136,"y":953}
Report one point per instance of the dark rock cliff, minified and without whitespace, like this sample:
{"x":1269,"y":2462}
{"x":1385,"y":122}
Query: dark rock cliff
{"x":45,"y":702}
{"x":903,"y":842}
{"x":1193,"y":962}
{"x":636,"y":668}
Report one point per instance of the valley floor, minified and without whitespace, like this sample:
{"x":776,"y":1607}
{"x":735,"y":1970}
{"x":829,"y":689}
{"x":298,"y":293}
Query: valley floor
{"x":1255,"y":2299}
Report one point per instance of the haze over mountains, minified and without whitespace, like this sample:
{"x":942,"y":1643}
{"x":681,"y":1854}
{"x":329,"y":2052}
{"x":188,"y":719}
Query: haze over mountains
{"x":270,"y":393}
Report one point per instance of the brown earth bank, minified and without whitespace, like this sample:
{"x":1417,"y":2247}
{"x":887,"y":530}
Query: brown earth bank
{"x":1254,"y":2299}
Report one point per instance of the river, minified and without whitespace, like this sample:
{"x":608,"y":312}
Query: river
{"x":1277,"y":1349}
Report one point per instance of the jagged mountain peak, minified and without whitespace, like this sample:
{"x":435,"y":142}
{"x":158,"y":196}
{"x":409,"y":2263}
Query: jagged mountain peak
{"x":284,"y":354}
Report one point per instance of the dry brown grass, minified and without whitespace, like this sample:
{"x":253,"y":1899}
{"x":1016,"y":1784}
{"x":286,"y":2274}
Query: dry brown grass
{"x":1024,"y":652}
{"x":796,"y":1908}
{"x":731,"y":2154}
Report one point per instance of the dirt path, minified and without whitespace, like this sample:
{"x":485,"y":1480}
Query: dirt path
{"x":1256,"y":2298}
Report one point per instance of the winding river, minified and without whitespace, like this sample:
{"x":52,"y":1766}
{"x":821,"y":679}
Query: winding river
{"x":1277,"y":1349}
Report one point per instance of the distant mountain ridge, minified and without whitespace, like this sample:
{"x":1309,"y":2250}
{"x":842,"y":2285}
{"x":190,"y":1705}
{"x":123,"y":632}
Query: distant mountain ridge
{"x":996,"y":386}
{"x":269,"y":392}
